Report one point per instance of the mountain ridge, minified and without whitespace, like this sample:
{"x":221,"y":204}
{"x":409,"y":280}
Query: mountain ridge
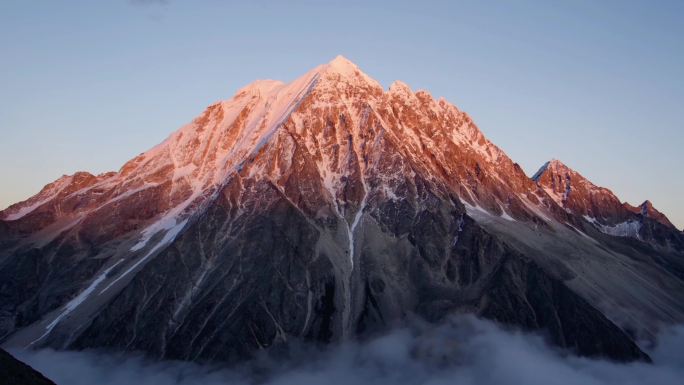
{"x":574,"y":192}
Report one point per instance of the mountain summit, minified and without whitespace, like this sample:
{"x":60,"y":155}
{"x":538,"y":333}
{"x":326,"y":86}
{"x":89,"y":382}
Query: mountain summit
{"x":575,"y":193}
{"x":322,"y":210}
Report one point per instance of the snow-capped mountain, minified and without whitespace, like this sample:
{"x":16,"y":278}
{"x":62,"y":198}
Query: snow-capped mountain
{"x":324,"y":209}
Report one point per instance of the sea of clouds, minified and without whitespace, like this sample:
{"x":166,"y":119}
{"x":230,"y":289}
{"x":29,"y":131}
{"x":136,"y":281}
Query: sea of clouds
{"x":463,"y":350}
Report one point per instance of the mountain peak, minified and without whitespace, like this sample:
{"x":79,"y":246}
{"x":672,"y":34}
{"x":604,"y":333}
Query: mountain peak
{"x":647,"y":205}
{"x":537,"y":175}
{"x":341,"y":68}
{"x":540,"y":172}
{"x":575,"y":193}
{"x":555,"y":166}
{"x":400,"y":87}
{"x":647,"y":210}
{"x":341,"y":63}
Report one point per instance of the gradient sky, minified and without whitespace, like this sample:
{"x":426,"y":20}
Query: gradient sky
{"x":86,"y":85}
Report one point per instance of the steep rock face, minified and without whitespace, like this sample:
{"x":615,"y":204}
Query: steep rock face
{"x":321,"y":209}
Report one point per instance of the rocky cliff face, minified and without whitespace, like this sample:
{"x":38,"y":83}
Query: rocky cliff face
{"x":321,"y":210}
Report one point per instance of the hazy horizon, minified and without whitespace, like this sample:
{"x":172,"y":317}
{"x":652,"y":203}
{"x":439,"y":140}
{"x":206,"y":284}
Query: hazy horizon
{"x":596,"y":86}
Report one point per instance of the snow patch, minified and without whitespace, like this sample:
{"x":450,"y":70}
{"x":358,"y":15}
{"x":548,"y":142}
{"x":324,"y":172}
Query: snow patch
{"x":78,"y":300}
{"x":170,"y":235}
{"x":591,"y":220}
{"x":629,"y":228}
{"x":166,"y":223}
{"x":505,"y":215}
{"x":625,"y":229}
{"x":475,"y":208}
{"x":555,"y":196}
{"x":352,"y":227}
{"x":25,"y":210}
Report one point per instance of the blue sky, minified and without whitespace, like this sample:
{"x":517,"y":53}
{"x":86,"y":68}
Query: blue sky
{"x":87,"y":85}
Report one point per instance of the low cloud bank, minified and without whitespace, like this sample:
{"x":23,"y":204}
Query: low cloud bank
{"x":464,"y":350}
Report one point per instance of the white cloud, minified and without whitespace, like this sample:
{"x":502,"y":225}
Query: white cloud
{"x":464,"y":350}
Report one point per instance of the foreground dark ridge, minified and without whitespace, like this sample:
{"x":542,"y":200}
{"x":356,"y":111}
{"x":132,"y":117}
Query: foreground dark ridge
{"x":320,"y":210}
{"x":13,"y":371}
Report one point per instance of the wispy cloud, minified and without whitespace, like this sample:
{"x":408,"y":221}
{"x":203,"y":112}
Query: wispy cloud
{"x":149,"y":2}
{"x":462,"y":351}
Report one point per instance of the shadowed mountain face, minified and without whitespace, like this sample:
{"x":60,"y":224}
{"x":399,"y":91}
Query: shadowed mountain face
{"x":13,"y":371}
{"x":322,"y":210}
